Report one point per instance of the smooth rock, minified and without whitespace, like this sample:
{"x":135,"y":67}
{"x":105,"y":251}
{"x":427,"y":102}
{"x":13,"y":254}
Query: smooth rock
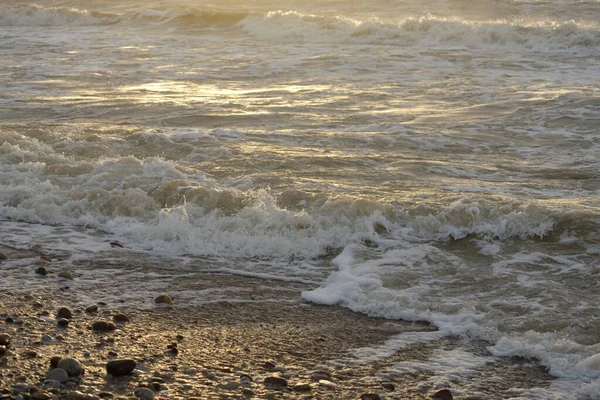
{"x":30,"y":353}
{"x":2,"y":350}
{"x":62,"y":322}
{"x":120,"y":318}
{"x":71,"y":365}
{"x":103,"y":326}
{"x":163,"y":299}
{"x":54,"y":361}
{"x":231,"y":385}
{"x":144,"y":394}
{"x":47,"y":339}
{"x":120,"y":367}
{"x":64,"y":312}
{"x":106,"y":395}
{"x":57,"y":374}
{"x":443,"y":394}
{"x":326,"y":384}
{"x":41,"y":395}
{"x":269,"y":366}
{"x":41,"y":271}
{"x":275,"y":382}
{"x":4,"y":339}
{"x":302,"y":387}
{"x":65,"y":275}
{"x":91,"y":309}
{"x":388,"y":386}
{"x":245,"y":379}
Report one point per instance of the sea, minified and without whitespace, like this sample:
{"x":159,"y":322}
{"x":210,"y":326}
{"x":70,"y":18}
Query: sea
{"x":423,"y":160}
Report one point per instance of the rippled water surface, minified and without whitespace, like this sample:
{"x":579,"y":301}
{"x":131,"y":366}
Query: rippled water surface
{"x":426,"y":160}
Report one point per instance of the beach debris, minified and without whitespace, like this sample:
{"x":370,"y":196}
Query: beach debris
{"x":41,"y":271}
{"x":144,"y":393}
{"x":120,"y":318}
{"x":71,"y":365}
{"x":443,"y":394}
{"x":46,"y":258}
{"x":64,"y":312}
{"x":57,"y":374}
{"x":302,"y":387}
{"x":4,"y":339}
{"x":65,"y":275}
{"x":103,"y":326}
{"x":116,"y":243}
{"x":120,"y":367}
{"x":163,"y":299}
{"x":91,"y":309}
{"x":275,"y":382}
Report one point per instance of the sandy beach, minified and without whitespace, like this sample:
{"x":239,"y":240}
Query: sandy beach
{"x":222,"y":350}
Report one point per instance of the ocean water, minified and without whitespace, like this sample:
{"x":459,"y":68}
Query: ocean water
{"x":433,"y":160}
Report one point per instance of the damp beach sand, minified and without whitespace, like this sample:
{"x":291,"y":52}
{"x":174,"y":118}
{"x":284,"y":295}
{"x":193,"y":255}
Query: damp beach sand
{"x":222,"y":349}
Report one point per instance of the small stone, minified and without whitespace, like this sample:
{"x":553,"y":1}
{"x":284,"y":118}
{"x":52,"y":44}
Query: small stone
{"x":41,"y":271}
{"x":388,"y":386}
{"x":179,"y":338}
{"x":245,"y":379}
{"x":163,"y":299}
{"x":103,"y":326}
{"x":443,"y":394}
{"x":91,"y":309}
{"x":71,"y":365}
{"x":64,"y":312}
{"x":275,"y":382}
{"x":57,"y":374}
{"x":326,"y":384}
{"x":318,"y":375}
{"x":120,"y":318}
{"x":105,"y":395}
{"x":269,"y":366}
{"x":46,"y":258}
{"x":2,"y":350}
{"x":30,"y":354}
{"x":37,"y":304}
{"x":54,"y":361}
{"x":116,"y":243}
{"x":21,"y":387}
{"x":65,"y":275}
{"x":63,"y":322}
{"x":247,"y":393}
{"x":75,"y":395}
{"x":144,"y":394}
{"x":4,"y":339}
{"x":47,"y":339}
{"x":120,"y":367}
{"x":370,"y":396}
{"x":302,"y":387}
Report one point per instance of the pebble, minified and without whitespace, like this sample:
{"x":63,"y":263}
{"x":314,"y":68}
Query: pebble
{"x":302,"y":387}
{"x":326,"y":384}
{"x":46,"y":339}
{"x":443,"y":394}
{"x":103,"y":326}
{"x":144,"y":394}
{"x":318,"y":375}
{"x":65,"y":275}
{"x":41,"y":395}
{"x":62,"y":322}
{"x":116,"y":243}
{"x":245,"y":379}
{"x":57,"y":374}
{"x":120,"y":318}
{"x":120,"y":367}
{"x":163,"y":299}
{"x":275,"y":382}
{"x":4,"y":339}
{"x":30,"y":353}
{"x":41,"y":271}
{"x":106,"y":395}
{"x":269,"y":366}
{"x":231,"y":385}
{"x":247,"y":393}
{"x":388,"y":386}
{"x":370,"y":396}
{"x":71,"y":365}
{"x":91,"y":309}
{"x":54,"y":361}
{"x":46,"y":258}
{"x":64,"y":312}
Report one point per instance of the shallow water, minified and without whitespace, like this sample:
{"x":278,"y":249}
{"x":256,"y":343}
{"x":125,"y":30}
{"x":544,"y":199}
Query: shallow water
{"x":430,"y":160}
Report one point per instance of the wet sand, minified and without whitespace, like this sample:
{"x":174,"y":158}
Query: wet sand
{"x":220,"y":350}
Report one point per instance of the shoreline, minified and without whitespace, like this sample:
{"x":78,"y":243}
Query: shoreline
{"x":224,"y":349}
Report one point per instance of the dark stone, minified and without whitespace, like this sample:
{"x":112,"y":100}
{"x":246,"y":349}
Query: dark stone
{"x":116,"y":243}
{"x":103,"y":326}
{"x":105,"y":395}
{"x":91,"y":309}
{"x":370,"y":396}
{"x":41,"y":271}
{"x":388,"y":386}
{"x":120,"y":318}
{"x":275,"y":382}
{"x":64,"y":312}
{"x":2,"y":351}
{"x":269,"y":366}
{"x":318,"y":375}
{"x":443,"y":394}
{"x":63,"y":322}
{"x":4,"y":339}
{"x":302,"y":387}
{"x":120,"y":367}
